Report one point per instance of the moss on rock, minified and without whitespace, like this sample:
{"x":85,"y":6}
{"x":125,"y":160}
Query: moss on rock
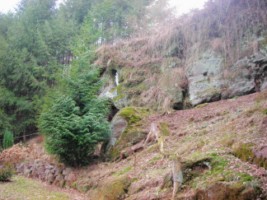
{"x":132,"y":114}
{"x":133,"y":133}
{"x":212,"y":169}
{"x":112,"y":189}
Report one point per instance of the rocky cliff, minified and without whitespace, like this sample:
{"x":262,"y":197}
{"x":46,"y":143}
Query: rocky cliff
{"x":216,"y":53}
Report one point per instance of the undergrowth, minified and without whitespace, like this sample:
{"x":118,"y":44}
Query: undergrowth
{"x":219,"y":172}
{"x":6,"y":172}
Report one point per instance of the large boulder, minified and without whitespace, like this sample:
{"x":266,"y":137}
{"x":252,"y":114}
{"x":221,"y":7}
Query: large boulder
{"x":118,"y":126}
{"x":210,"y":80}
{"x":204,"y":78}
{"x":127,"y":130}
{"x":246,"y":76}
{"x":112,"y":189}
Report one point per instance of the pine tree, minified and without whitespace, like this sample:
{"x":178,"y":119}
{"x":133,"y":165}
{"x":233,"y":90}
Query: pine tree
{"x":74,"y":120}
{"x":115,"y":19}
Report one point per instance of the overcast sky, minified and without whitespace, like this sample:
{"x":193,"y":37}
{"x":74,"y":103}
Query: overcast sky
{"x":6,"y":5}
{"x":182,"y":6}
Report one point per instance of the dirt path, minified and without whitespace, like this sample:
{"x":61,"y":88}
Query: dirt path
{"x":21,"y":188}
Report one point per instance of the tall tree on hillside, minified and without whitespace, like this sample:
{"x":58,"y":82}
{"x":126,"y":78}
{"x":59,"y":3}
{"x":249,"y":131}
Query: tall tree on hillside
{"x":74,"y":118}
{"x":77,"y":10}
{"x":5,"y":21}
{"x":158,"y":13}
{"x":115,"y":19}
{"x":32,"y":46}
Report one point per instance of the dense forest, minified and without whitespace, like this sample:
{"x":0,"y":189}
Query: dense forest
{"x":46,"y":66}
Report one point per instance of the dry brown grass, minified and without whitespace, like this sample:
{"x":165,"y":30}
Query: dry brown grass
{"x":31,"y":151}
{"x":142,"y":50}
{"x":228,"y":27}
{"x":213,"y":128}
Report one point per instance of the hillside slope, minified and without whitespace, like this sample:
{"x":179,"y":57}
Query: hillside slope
{"x":222,"y":146}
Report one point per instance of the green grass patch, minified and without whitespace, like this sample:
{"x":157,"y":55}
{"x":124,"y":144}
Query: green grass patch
{"x":155,"y":159}
{"x":123,"y":171}
{"x":219,"y":172}
{"x":21,"y":188}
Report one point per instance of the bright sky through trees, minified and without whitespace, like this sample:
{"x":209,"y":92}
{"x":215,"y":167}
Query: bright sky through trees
{"x":10,"y":5}
{"x":180,"y":5}
{"x":184,"y":6}
{"x":6,"y":6}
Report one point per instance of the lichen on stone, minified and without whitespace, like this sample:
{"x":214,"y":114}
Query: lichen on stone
{"x":112,"y":189}
{"x":134,"y":131}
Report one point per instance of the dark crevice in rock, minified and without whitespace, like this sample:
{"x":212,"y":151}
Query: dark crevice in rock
{"x":113,"y":111}
{"x":113,"y":72}
{"x":178,"y":106}
{"x":194,"y":169}
{"x":185,"y":104}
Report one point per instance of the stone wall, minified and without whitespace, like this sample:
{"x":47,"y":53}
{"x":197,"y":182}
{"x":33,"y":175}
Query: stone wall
{"x":53,"y":174}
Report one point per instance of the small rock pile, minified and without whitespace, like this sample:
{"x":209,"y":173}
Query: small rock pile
{"x":52,"y":174}
{"x":31,"y":161}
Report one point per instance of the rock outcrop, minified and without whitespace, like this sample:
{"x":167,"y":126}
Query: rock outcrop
{"x":205,"y":80}
{"x":127,"y":130}
{"x":203,"y":58}
{"x":210,"y":81}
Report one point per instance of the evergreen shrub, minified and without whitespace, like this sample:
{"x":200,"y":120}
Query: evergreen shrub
{"x":76,"y":120}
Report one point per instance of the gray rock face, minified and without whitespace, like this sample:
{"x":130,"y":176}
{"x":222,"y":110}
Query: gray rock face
{"x":118,"y":126}
{"x":210,"y":81}
{"x":204,"y":78}
{"x":246,"y":76}
{"x":239,"y":79}
{"x":171,"y":82}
